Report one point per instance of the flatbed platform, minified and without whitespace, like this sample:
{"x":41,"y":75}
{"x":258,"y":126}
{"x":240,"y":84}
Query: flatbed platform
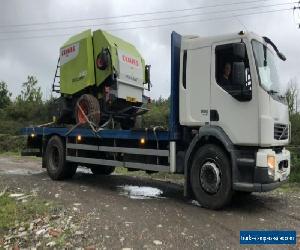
{"x":147,"y":134}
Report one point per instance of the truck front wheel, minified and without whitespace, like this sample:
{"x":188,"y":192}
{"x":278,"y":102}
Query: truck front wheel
{"x":55,"y":160}
{"x":210,"y":177}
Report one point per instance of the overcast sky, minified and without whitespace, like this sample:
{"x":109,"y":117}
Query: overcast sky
{"x":38,"y":56}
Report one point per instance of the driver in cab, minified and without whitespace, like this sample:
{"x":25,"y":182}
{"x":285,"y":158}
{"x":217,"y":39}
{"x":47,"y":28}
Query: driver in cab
{"x":225,"y":78}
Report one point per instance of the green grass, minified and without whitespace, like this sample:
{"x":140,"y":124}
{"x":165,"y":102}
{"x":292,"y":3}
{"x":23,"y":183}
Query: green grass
{"x":290,"y":186}
{"x":63,"y":238}
{"x":11,"y":153}
{"x":295,"y":169}
{"x":12,"y":211}
{"x":17,"y":155}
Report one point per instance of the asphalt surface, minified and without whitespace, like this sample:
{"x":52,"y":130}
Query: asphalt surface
{"x":119,"y":212}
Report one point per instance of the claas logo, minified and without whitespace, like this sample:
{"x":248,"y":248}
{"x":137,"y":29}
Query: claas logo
{"x":130,"y":60}
{"x":65,"y":52}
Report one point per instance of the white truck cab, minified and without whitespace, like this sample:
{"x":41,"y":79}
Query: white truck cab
{"x":243,"y":103}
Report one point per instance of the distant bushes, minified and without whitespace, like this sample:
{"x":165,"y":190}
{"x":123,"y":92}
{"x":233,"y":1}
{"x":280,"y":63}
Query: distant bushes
{"x":295,"y":133}
{"x":12,"y":143}
{"x":158,"y":115}
{"x":18,"y":115}
{"x":27,"y":109}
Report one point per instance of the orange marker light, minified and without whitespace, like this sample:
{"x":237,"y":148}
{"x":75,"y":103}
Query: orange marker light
{"x":79,"y":138}
{"x":142,"y":141}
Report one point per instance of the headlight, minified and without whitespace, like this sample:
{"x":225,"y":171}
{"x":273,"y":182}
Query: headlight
{"x":271,"y":164}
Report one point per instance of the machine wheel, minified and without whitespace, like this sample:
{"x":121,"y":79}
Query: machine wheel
{"x":210,"y":177}
{"x":55,"y":160}
{"x":89,"y":105}
{"x":102,"y":170}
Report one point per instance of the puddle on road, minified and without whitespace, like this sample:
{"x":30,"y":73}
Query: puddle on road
{"x":140,"y":192}
{"x":83,"y":170}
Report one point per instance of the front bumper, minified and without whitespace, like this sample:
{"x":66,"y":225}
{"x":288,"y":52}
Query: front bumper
{"x":263,"y":175}
{"x":257,"y":187}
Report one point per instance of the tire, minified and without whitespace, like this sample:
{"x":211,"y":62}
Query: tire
{"x":210,"y":177}
{"x":91,"y":108}
{"x":102,"y":170}
{"x":55,"y":160}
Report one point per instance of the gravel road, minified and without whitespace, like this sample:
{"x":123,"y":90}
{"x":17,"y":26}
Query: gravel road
{"x":119,"y":212}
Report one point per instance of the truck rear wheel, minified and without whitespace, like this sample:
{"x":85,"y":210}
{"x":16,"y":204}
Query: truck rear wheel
{"x":55,"y":160}
{"x":102,"y":170}
{"x":210,"y":177}
{"x":87,"y":106}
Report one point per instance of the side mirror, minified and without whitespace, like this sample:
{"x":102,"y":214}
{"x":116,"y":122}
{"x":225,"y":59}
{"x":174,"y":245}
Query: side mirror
{"x":281,"y":56}
{"x":239,"y":50}
{"x":238,"y":74}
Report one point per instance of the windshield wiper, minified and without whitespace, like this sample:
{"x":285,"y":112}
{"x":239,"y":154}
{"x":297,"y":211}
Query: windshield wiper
{"x":274,"y":92}
{"x":279,"y":54}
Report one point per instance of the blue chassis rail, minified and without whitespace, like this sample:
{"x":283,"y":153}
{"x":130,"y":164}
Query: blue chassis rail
{"x":104,"y":134}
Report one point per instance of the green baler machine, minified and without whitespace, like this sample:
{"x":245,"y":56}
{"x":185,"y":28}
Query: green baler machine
{"x":101,"y":77}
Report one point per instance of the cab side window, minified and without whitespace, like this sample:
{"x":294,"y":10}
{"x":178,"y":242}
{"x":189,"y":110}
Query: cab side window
{"x":232,"y":70}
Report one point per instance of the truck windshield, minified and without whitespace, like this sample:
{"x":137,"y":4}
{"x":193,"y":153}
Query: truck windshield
{"x":266,"y":67}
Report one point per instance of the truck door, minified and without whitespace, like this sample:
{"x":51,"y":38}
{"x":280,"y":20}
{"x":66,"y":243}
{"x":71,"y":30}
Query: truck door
{"x":195,"y":86}
{"x":236,"y":115}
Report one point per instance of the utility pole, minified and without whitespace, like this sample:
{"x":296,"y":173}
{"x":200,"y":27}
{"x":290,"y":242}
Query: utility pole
{"x":296,"y":12}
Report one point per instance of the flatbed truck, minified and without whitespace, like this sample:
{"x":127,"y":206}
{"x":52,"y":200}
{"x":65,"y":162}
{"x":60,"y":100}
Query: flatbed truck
{"x":222,"y":138}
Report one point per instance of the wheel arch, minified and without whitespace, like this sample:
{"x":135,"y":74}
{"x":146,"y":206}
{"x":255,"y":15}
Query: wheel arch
{"x":207,"y":135}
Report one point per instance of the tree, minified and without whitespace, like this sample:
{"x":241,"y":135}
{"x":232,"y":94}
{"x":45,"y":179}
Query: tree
{"x":4,"y":95}
{"x":158,"y":115}
{"x":291,"y":95}
{"x":31,"y":92}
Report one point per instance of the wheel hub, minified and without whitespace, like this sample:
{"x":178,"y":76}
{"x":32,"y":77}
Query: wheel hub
{"x":210,"y":177}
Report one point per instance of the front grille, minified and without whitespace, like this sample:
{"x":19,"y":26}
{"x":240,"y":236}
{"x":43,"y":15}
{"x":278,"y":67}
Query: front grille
{"x":281,"y":131}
